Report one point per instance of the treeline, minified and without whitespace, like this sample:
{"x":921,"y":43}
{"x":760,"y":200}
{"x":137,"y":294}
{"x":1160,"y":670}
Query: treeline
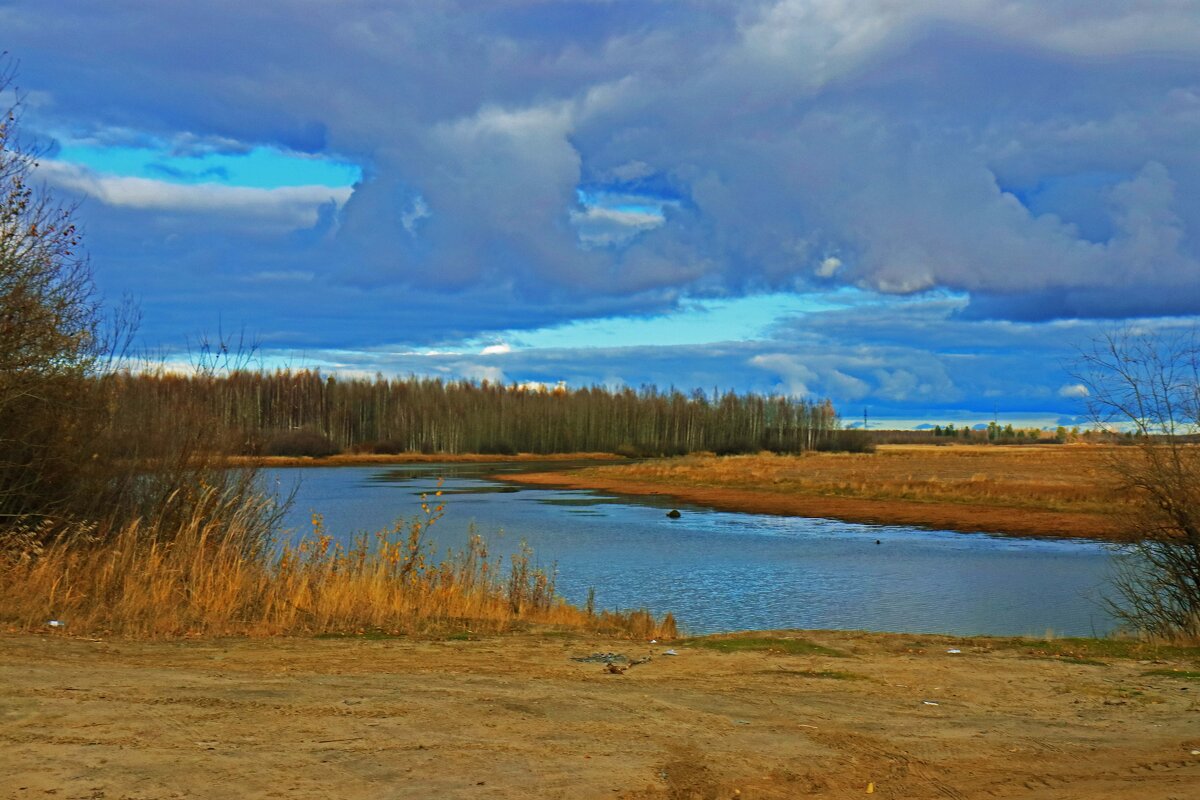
{"x":996,"y":433}
{"x":306,"y":413}
{"x":993,"y":433}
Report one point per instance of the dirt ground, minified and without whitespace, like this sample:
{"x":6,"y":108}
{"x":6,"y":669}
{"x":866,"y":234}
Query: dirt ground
{"x":515,"y":717}
{"x":1066,"y":491}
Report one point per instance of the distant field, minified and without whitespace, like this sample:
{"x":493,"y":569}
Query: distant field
{"x":1031,"y":490}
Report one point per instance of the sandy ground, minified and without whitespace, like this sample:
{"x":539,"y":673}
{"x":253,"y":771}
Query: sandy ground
{"x":516,"y":717}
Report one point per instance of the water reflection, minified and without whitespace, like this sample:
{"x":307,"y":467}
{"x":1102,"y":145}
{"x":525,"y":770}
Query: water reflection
{"x":729,"y":571}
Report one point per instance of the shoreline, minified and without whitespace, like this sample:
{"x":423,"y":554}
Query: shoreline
{"x":800,"y":486}
{"x":367,"y":459}
{"x":959,"y":517}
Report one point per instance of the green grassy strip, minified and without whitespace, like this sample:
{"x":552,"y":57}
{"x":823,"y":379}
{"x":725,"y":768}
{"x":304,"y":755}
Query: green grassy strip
{"x":369,"y":636}
{"x":825,"y":674}
{"x":769,"y":644}
{"x":1088,"y":650}
{"x":1181,"y":674}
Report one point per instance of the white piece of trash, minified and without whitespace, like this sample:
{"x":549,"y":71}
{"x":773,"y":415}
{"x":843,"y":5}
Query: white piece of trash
{"x":930,"y":703}
{"x":954,"y":650}
{"x":670,"y":653}
{"x":56,"y":623}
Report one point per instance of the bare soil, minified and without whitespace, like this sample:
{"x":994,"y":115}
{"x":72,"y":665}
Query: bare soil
{"x":1057,"y":491}
{"x":515,"y":717}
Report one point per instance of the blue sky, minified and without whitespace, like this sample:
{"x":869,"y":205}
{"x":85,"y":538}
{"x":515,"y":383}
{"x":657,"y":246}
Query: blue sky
{"x":921,"y":209}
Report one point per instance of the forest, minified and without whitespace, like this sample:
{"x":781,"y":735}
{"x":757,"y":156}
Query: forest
{"x":302,"y":412}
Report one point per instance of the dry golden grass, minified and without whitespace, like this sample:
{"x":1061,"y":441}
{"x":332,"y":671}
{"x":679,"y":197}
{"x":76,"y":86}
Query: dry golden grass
{"x":1062,"y":490}
{"x":212,"y":578}
{"x":1061,"y":478}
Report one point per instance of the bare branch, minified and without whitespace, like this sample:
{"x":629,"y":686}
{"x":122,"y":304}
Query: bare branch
{"x":1150,"y":385}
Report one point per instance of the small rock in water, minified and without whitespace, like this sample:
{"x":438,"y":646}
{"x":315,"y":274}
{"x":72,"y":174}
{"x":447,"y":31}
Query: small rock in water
{"x":674,"y":513}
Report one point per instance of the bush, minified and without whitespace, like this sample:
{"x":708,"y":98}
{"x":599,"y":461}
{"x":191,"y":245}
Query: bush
{"x":81,"y":459}
{"x":300,"y":443}
{"x":847,"y":441}
{"x":1150,"y":385}
{"x":736,"y":447}
{"x":50,"y":345}
{"x":499,"y":448}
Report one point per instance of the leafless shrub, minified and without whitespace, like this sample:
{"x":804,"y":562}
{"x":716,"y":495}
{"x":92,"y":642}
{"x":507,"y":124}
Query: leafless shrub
{"x":1149,"y":385}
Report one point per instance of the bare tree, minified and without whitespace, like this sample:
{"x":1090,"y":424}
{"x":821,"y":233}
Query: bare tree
{"x":49,"y":330}
{"x":70,"y":464}
{"x":1148,"y":385}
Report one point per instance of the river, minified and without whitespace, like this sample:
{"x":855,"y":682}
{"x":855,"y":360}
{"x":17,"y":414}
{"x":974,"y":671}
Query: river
{"x":724,"y":571}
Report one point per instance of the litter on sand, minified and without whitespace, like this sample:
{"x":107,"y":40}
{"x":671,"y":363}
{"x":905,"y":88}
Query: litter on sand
{"x":610,"y":660}
{"x":56,"y":623}
{"x":670,"y":653}
{"x":954,"y":650}
{"x":930,"y":703}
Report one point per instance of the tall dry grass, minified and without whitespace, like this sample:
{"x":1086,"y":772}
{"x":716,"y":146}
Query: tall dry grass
{"x":216,"y":575}
{"x":1053,"y":478}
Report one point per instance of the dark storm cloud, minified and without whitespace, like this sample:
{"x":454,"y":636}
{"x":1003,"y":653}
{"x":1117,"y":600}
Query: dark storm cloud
{"x":1037,"y":157}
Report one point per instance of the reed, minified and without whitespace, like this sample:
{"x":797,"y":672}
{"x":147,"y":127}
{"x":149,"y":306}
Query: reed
{"x":217,"y":575}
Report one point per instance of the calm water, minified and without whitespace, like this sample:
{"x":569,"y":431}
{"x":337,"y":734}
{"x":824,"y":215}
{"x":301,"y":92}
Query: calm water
{"x":721,"y":571}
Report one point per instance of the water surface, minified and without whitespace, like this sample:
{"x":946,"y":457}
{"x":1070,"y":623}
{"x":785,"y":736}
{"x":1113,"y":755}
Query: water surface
{"x":721,"y":571}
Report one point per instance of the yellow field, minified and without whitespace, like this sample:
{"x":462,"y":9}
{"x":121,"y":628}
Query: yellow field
{"x":1063,"y":490}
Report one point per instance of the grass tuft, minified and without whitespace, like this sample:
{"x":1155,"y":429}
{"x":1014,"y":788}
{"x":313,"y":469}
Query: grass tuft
{"x":1181,"y":674}
{"x":769,"y":644}
{"x":824,"y":674}
{"x":1091,"y":651}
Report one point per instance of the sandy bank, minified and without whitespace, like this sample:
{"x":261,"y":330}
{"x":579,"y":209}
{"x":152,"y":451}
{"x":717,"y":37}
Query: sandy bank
{"x":516,"y":717}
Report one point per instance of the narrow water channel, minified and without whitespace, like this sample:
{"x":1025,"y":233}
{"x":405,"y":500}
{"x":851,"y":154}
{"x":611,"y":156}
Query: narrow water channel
{"x":723,"y":571}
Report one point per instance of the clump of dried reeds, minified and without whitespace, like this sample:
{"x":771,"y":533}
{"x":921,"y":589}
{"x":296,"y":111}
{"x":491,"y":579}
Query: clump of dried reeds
{"x":216,"y":575}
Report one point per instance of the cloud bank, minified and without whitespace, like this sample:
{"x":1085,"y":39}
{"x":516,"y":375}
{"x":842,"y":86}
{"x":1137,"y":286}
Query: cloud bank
{"x":526,"y":164}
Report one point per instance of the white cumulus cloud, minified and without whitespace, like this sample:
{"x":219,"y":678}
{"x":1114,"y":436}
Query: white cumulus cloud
{"x":284,"y":207}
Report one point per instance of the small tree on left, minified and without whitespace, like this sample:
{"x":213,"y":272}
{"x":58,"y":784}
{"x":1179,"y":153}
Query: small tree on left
{"x":50,"y":342}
